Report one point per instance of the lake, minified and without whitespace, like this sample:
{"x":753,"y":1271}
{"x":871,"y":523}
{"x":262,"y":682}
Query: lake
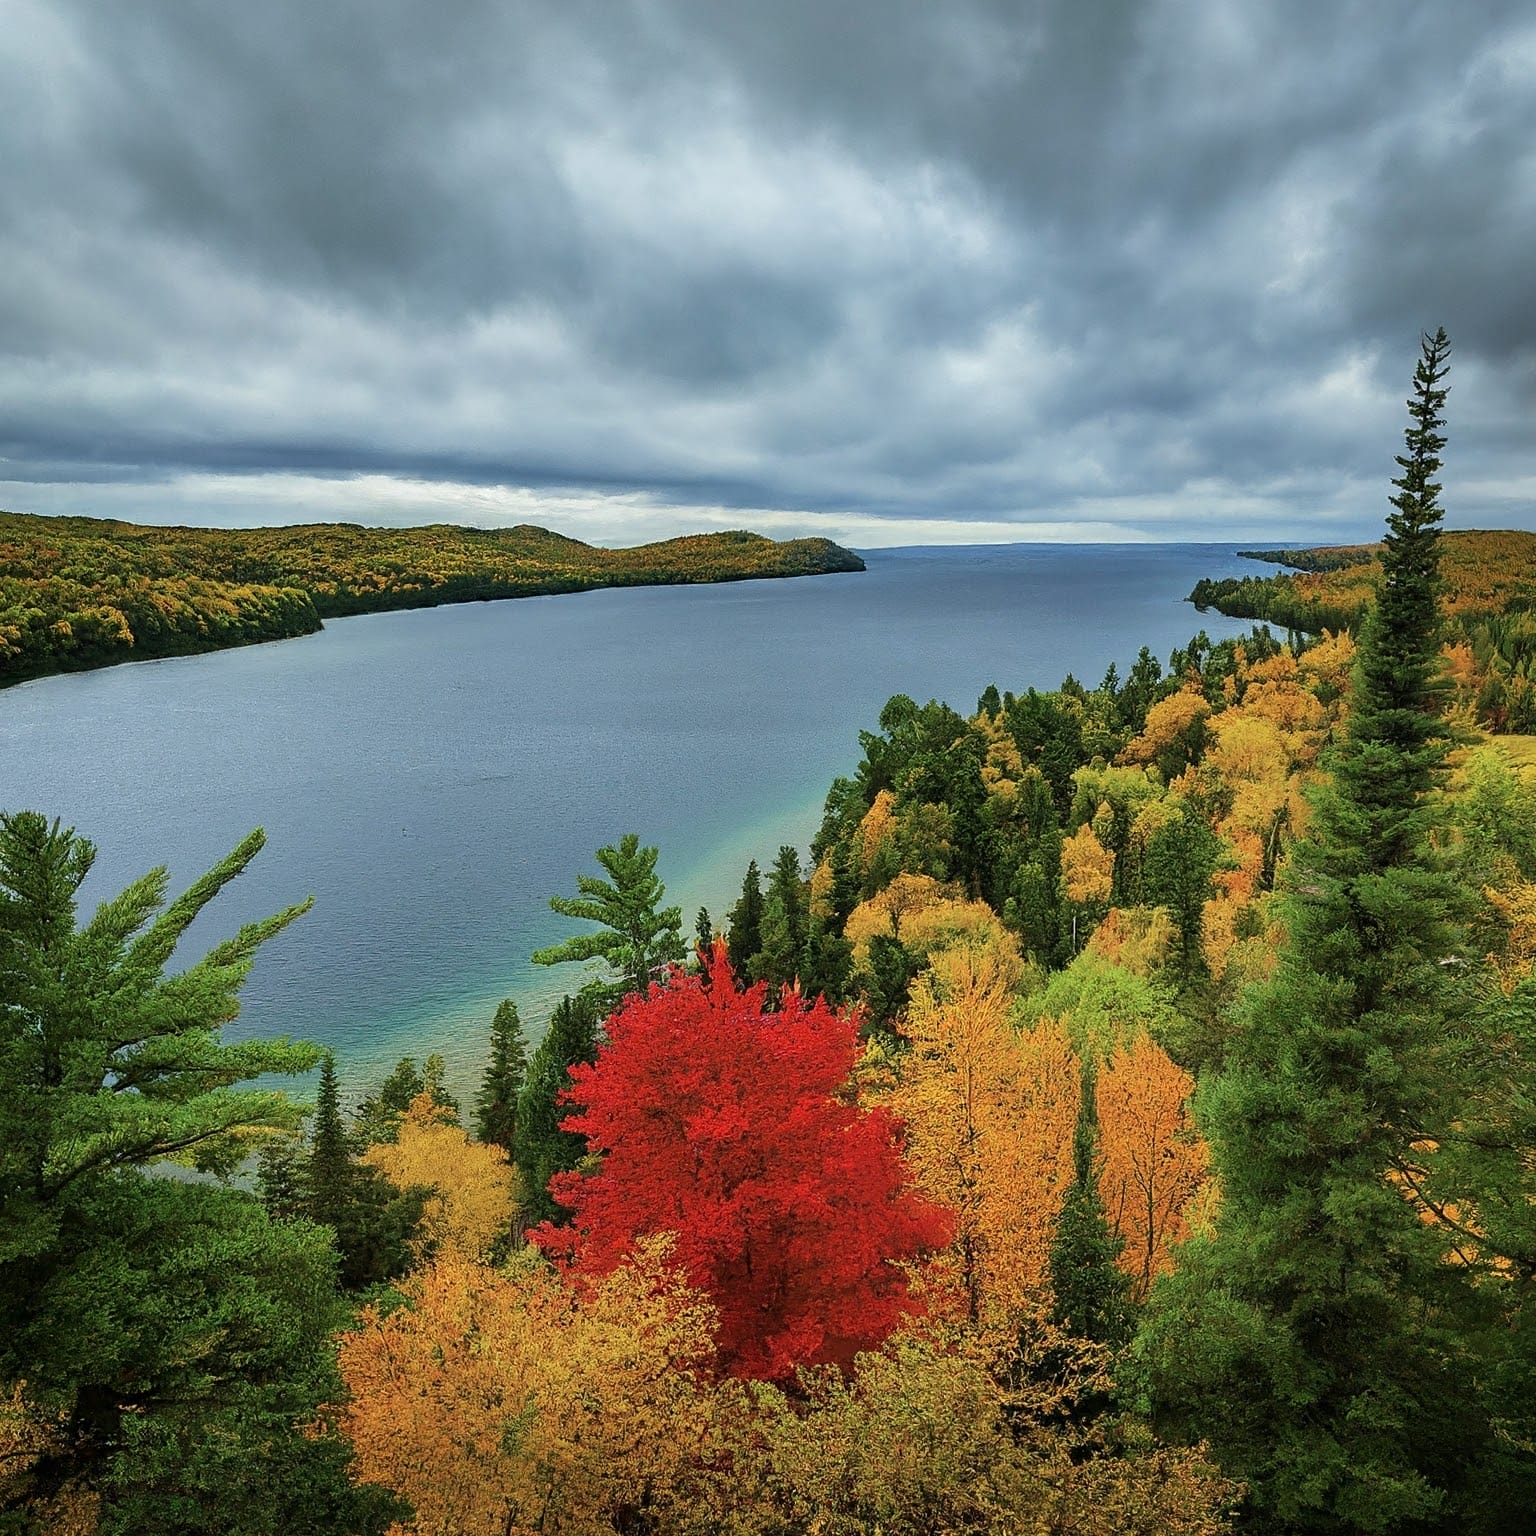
{"x":432,"y":777}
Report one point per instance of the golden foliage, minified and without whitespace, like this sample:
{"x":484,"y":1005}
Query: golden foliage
{"x":475,"y":1197}
{"x":821,"y":890}
{"x":888,"y":911}
{"x":499,"y":1404}
{"x":923,"y":1440}
{"x":1153,"y":1160}
{"x":1516,"y":909}
{"x":1003,"y":766}
{"x":876,"y":829}
{"x":1168,"y":721}
{"x":1087,"y":868}
{"x":990,"y":1116}
{"x":1328,"y":664}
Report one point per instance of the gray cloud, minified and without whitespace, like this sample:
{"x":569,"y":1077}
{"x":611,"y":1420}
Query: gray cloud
{"x":1153,"y":267}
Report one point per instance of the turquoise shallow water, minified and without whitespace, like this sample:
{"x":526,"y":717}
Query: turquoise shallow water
{"x":432,"y":777}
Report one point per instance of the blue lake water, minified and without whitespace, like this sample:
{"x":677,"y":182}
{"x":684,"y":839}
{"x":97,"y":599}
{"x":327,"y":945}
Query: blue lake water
{"x":432,"y":777}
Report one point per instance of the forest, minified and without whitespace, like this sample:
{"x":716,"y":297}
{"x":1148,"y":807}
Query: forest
{"x":1122,"y":1123}
{"x":80,"y":592}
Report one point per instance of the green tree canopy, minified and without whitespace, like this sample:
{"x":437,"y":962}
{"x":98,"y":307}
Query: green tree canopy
{"x":172,"y":1335}
{"x":637,"y":935}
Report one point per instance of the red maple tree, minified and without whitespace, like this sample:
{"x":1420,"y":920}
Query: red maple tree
{"x":735,"y":1129}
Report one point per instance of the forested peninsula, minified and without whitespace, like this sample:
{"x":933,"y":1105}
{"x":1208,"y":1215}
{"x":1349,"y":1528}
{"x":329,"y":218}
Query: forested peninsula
{"x":1488,"y":597}
{"x":81,"y":592}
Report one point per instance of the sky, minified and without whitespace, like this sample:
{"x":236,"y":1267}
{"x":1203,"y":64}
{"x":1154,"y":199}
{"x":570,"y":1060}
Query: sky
{"x":897,"y":273}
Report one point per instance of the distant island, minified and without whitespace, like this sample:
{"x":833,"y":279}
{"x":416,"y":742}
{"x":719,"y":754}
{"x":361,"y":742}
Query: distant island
{"x":81,"y":592}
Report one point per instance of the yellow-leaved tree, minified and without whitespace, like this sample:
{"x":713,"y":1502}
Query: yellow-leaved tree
{"x":1086,"y":868}
{"x":501,"y":1403}
{"x":990,"y":1114}
{"x":475,"y":1197}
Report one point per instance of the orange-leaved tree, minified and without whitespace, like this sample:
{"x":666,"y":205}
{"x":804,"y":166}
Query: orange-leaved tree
{"x":1153,"y":1160}
{"x":990,"y":1113}
{"x":732,"y":1127}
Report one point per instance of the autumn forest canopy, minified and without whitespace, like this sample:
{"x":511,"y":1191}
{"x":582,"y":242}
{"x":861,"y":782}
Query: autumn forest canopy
{"x":1121,"y":1122}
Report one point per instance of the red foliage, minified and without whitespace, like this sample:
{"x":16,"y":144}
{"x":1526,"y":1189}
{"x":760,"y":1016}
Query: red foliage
{"x":734,"y":1128}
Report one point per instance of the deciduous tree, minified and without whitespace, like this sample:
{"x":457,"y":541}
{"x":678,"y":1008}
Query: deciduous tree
{"x":730,"y":1126}
{"x":990,"y":1116}
{"x":1153,"y":1161}
{"x":474,"y":1196}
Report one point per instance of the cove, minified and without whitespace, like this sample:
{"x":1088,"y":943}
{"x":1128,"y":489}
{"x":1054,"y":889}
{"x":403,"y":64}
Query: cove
{"x":431,"y":777}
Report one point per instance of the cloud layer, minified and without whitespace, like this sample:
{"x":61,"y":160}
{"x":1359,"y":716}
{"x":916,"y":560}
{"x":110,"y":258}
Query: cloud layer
{"x":893,"y":273}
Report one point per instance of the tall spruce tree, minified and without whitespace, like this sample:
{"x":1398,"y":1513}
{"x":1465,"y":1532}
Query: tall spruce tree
{"x":1090,"y":1294}
{"x":496,"y":1103}
{"x":1319,"y":1342}
{"x":784,"y":925}
{"x":330,"y":1172}
{"x":371,"y":1221}
{"x":745,"y":922}
{"x":542,"y":1147}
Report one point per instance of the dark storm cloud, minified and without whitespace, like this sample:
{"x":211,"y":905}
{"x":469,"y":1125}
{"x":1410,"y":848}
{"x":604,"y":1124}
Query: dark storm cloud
{"x":1147,"y":268}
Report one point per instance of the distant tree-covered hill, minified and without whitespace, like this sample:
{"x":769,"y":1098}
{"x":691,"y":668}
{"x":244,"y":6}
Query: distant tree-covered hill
{"x":1488,"y":599}
{"x":79,"y":592}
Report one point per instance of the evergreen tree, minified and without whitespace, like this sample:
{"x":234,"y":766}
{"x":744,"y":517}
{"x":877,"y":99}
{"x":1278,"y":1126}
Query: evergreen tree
{"x":826,"y":963}
{"x":1177,"y":869}
{"x":703,"y":932}
{"x":496,"y":1103}
{"x":1091,"y":1294}
{"x":330,"y":1172}
{"x":542,"y":1147}
{"x":379,"y":1114}
{"x":372,"y":1222}
{"x":281,"y":1179}
{"x":889,"y":980}
{"x":746,"y":922}
{"x":1320,"y":1341}
{"x":637,"y":935}
{"x":169,"y":1333}
{"x":784,"y":925}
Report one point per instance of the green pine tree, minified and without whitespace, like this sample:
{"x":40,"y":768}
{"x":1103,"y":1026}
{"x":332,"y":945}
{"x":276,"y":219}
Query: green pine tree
{"x":1321,"y":1341}
{"x":496,"y":1103}
{"x":175,"y":1335}
{"x":637,"y":935}
{"x":1091,"y":1294}
{"x":371,"y":1221}
{"x":330,"y":1172}
{"x":379,"y":1113}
